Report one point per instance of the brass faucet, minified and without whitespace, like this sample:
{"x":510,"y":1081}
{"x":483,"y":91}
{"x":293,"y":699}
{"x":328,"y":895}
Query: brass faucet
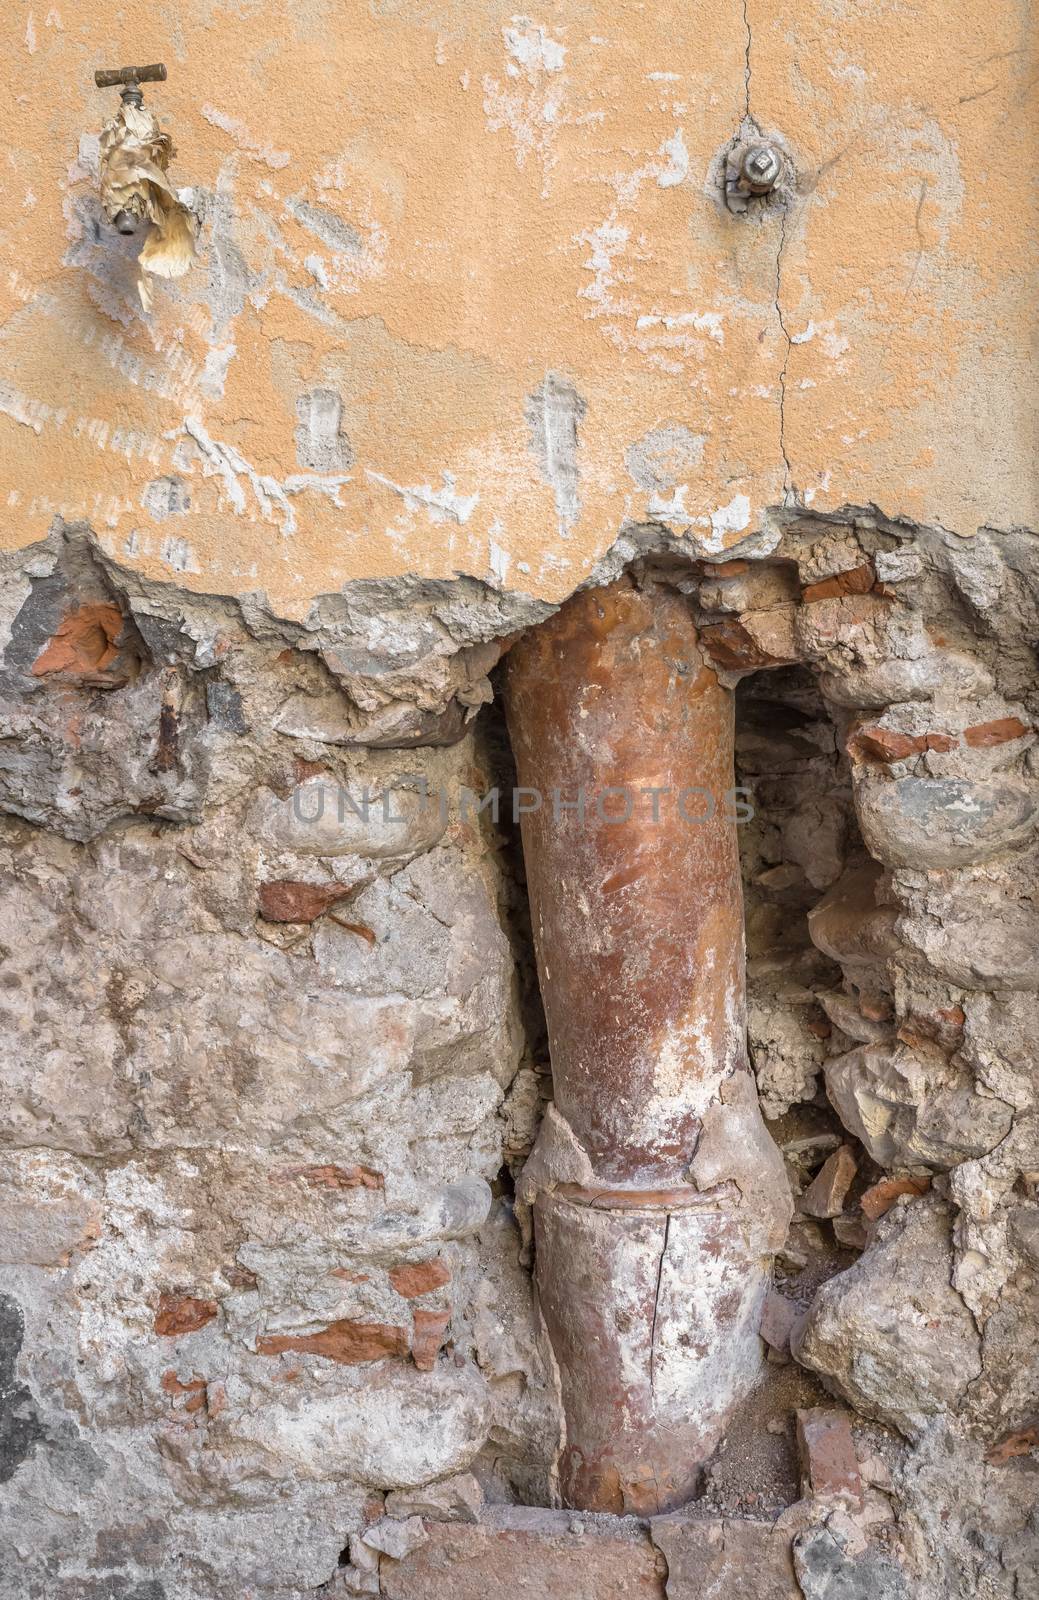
{"x":134,"y":158}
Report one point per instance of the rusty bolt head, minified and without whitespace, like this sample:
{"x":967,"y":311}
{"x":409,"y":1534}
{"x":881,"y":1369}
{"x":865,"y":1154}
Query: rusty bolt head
{"x":760,"y":168}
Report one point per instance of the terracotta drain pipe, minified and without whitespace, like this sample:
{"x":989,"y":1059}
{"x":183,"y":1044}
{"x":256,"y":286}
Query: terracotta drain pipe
{"x":657,"y":1192}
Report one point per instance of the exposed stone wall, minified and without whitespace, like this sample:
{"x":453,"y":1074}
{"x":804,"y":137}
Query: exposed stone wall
{"x":267,"y":1087}
{"x":256,"y":1052}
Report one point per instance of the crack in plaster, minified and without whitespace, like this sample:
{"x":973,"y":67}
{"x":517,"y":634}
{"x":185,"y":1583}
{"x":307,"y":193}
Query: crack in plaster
{"x":789,"y":488}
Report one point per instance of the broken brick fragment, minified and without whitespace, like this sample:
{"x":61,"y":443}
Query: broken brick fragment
{"x":874,"y":743}
{"x":757,"y":639}
{"x":195,"y":1389}
{"x":880,"y":1197}
{"x":330,"y":1176}
{"x":345,"y":1341}
{"x":86,"y":648}
{"x":943,"y":1026}
{"x":859,"y":580}
{"x":429,"y":1330}
{"x":286,"y":900}
{"x":983,"y":735}
{"x":829,"y":1465}
{"x":183,"y":1313}
{"x":419,"y":1277}
{"x":827,"y":1191}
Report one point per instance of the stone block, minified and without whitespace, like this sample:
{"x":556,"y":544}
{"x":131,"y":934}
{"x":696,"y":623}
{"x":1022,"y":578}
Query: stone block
{"x":724,"y":1559}
{"x":524,"y":1553}
{"x":826,"y":1193}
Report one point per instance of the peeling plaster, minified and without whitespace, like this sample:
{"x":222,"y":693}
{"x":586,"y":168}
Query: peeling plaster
{"x":547,"y":223}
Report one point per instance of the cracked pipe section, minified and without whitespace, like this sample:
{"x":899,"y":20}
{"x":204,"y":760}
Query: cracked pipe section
{"x":651,"y":1257}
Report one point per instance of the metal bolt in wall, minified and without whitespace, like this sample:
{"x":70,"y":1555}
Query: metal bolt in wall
{"x":760,"y":168}
{"x":754,"y":170}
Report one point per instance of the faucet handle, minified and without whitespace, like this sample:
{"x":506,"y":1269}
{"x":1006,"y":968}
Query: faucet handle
{"x":129,"y":77}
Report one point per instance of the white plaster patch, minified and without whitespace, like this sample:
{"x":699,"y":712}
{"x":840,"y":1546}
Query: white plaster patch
{"x":672,"y":510}
{"x":442,"y":505}
{"x":245,"y":141}
{"x":300,"y":482}
{"x":531,"y":47}
{"x":529,"y":104}
{"x":677,"y":169}
{"x":214,"y":371}
{"x":732,"y":518}
{"x":709,"y":322}
{"x":178,"y":554}
{"x":230,"y":465}
{"x":498,"y":559}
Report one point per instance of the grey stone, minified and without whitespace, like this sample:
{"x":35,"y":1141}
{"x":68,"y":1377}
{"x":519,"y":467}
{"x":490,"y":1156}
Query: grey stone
{"x":912,"y":1110}
{"x":936,"y":823}
{"x":891,"y":1334}
{"x":21,"y":1429}
{"x":826,"y":1572}
{"x":396,"y":1537}
{"x":455,"y":1499}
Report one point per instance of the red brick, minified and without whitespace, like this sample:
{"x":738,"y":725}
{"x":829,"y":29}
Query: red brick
{"x":874,"y":743}
{"x":195,"y":1389}
{"x":1019,"y":1443}
{"x":940,"y":741}
{"x":345,"y":1341}
{"x":183,"y":1313}
{"x":419,"y":1277}
{"x":85,"y":646}
{"x":428,"y":1336}
{"x":984,"y":734}
{"x":829,"y":1465}
{"x":759,"y":639}
{"x":859,"y":580}
{"x":332,"y":1177}
{"x":943,"y":1026}
{"x":881,"y":1196}
{"x":286,"y":900}
{"x":729,"y":645}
